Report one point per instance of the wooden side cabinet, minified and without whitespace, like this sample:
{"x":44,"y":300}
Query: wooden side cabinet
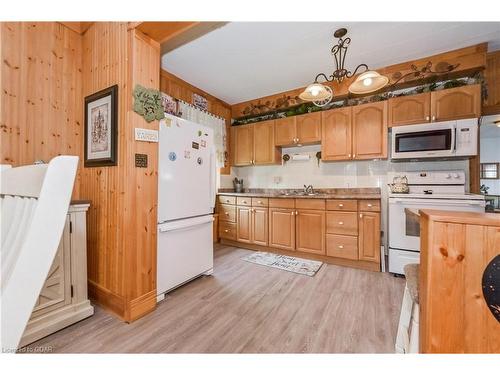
{"x":309,"y":128}
{"x":264,"y":149}
{"x":285,"y":131}
{"x":491,"y":104}
{"x":369,"y":124}
{"x":63,"y":299}
{"x":369,"y":236}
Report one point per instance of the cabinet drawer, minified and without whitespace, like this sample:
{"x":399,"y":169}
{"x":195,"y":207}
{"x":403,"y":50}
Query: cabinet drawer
{"x":369,"y":205}
{"x":345,"y":223}
{"x":342,"y":246}
{"x":310,"y":204}
{"x":227,"y":213}
{"x":282,"y":202}
{"x":227,"y":199}
{"x":342,"y":205}
{"x":244,"y":201}
{"x":227,"y":230}
{"x":260,"y":202}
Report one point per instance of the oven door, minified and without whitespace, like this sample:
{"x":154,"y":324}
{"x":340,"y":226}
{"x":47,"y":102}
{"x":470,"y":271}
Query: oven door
{"x":423,"y":141}
{"x":404,"y":218}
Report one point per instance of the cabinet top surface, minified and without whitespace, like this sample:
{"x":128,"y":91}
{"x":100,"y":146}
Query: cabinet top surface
{"x":354,"y":193}
{"x":476,"y":218}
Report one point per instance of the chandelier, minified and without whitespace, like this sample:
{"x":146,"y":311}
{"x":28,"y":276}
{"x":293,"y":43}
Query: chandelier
{"x":368,"y":81}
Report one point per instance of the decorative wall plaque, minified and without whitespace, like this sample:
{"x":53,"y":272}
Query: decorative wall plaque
{"x":200,"y":102}
{"x":148,"y":103}
{"x":141,"y":160}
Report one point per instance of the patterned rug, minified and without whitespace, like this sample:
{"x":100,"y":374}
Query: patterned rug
{"x":283,"y":262}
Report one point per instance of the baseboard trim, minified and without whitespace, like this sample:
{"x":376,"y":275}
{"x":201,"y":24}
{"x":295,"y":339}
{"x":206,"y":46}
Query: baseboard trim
{"x":359,"y":264}
{"x":141,"y":306}
{"x":107,"y":299}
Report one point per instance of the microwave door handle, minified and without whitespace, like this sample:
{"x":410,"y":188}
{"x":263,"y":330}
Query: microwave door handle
{"x":453,"y":139}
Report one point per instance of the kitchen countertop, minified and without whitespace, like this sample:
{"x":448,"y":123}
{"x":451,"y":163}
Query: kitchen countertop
{"x":341,"y":193}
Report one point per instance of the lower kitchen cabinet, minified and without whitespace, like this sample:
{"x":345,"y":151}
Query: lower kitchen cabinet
{"x":243,"y":226}
{"x":259,"y":226}
{"x":282,"y":228}
{"x":310,"y":226}
{"x":369,"y":236}
{"x":342,"y":246}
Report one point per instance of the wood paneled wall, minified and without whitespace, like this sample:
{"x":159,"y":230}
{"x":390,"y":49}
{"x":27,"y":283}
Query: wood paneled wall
{"x":122,"y":218}
{"x":41,"y":108}
{"x":180,"y":89}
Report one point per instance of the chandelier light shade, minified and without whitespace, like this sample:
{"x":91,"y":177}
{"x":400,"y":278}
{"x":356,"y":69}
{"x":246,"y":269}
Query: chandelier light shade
{"x":367,"y":82}
{"x":315,"y":92}
{"x":321,"y":95}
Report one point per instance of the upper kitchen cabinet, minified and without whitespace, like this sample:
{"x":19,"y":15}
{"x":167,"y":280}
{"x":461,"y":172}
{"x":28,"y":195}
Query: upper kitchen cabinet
{"x":285,"y":131}
{"x":309,"y":128}
{"x":491,"y":104}
{"x":408,"y":110}
{"x":444,"y":105}
{"x":336,"y":134}
{"x":243,"y":145}
{"x":457,"y":103}
{"x":369,"y":131}
{"x":254,"y":144}
{"x":264,"y":149}
{"x":303,"y":129}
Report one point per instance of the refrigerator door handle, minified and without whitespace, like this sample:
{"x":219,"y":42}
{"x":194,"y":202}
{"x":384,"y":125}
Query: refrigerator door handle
{"x":183,"y":224}
{"x":212,"y":178}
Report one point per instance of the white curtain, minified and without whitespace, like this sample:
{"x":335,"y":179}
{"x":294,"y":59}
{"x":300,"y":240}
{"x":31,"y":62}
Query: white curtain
{"x":218,"y":124}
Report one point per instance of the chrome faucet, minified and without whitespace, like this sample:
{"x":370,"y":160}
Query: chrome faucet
{"x":308,"y":189}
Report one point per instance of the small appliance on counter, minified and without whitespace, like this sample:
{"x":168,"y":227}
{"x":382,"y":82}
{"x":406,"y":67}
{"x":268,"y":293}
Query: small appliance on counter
{"x":399,"y":185}
{"x":238,"y":185}
{"x":438,"y":190}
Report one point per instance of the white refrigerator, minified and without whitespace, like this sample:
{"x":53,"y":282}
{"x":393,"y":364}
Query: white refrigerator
{"x":186,"y":200}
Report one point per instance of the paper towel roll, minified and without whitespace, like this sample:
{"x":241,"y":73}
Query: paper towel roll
{"x":301,"y":157}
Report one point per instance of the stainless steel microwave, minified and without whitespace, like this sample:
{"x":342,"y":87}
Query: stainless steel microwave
{"x":445,"y":139}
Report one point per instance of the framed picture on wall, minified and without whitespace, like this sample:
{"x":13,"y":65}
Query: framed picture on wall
{"x":101,"y":128}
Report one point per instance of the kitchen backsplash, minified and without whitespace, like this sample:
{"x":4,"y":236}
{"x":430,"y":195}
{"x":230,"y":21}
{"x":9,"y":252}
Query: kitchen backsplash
{"x":295,"y":174}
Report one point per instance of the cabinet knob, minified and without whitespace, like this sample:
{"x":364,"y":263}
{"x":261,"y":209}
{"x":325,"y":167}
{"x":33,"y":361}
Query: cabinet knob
{"x":296,"y":212}
{"x":360,"y":215}
{"x":244,"y":201}
{"x":427,"y":118}
{"x":349,"y":155}
{"x":369,"y":205}
{"x":433,"y":118}
{"x":341,"y":205}
{"x":226,"y":230}
{"x":341,"y":246}
{"x":341,"y":223}
{"x":226,"y":213}
{"x":259,"y":202}
{"x":293,"y":213}
{"x":353,"y":155}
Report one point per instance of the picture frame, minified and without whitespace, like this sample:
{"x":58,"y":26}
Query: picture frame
{"x":101,"y":128}
{"x":169,"y":104}
{"x":200,"y":102}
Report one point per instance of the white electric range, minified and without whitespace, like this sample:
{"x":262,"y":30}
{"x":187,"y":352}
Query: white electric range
{"x":440,"y":190}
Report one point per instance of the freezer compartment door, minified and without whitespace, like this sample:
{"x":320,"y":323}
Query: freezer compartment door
{"x":186,"y":170}
{"x":185,"y":251}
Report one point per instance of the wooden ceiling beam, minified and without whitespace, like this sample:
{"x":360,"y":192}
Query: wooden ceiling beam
{"x":172,"y":35}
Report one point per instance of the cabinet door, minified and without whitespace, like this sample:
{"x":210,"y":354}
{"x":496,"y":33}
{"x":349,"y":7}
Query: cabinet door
{"x":285,"y":131}
{"x":336,"y":139}
{"x":243,"y":145}
{"x":457,"y":103}
{"x":311,"y":231}
{"x":491,"y":104}
{"x":282,"y":228}
{"x":309,"y":128}
{"x":412,"y":109}
{"x":264,"y":149}
{"x":369,"y":124}
{"x":369,"y":236}
{"x":260,"y":226}
{"x":56,"y":291}
{"x":243,"y":226}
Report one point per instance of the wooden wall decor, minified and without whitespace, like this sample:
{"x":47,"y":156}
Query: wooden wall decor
{"x":452,"y":64}
{"x":180,"y":89}
{"x":41,"y":94}
{"x":148,"y":103}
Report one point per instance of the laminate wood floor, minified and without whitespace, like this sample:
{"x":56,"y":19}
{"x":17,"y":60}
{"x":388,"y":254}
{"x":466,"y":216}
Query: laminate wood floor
{"x":248,"y":308}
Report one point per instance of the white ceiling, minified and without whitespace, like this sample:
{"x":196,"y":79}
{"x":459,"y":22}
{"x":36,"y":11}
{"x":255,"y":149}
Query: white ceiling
{"x":247,"y":60}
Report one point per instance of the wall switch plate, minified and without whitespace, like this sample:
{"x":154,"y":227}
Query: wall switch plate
{"x":146,"y":135}
{"x":141,"y":160}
